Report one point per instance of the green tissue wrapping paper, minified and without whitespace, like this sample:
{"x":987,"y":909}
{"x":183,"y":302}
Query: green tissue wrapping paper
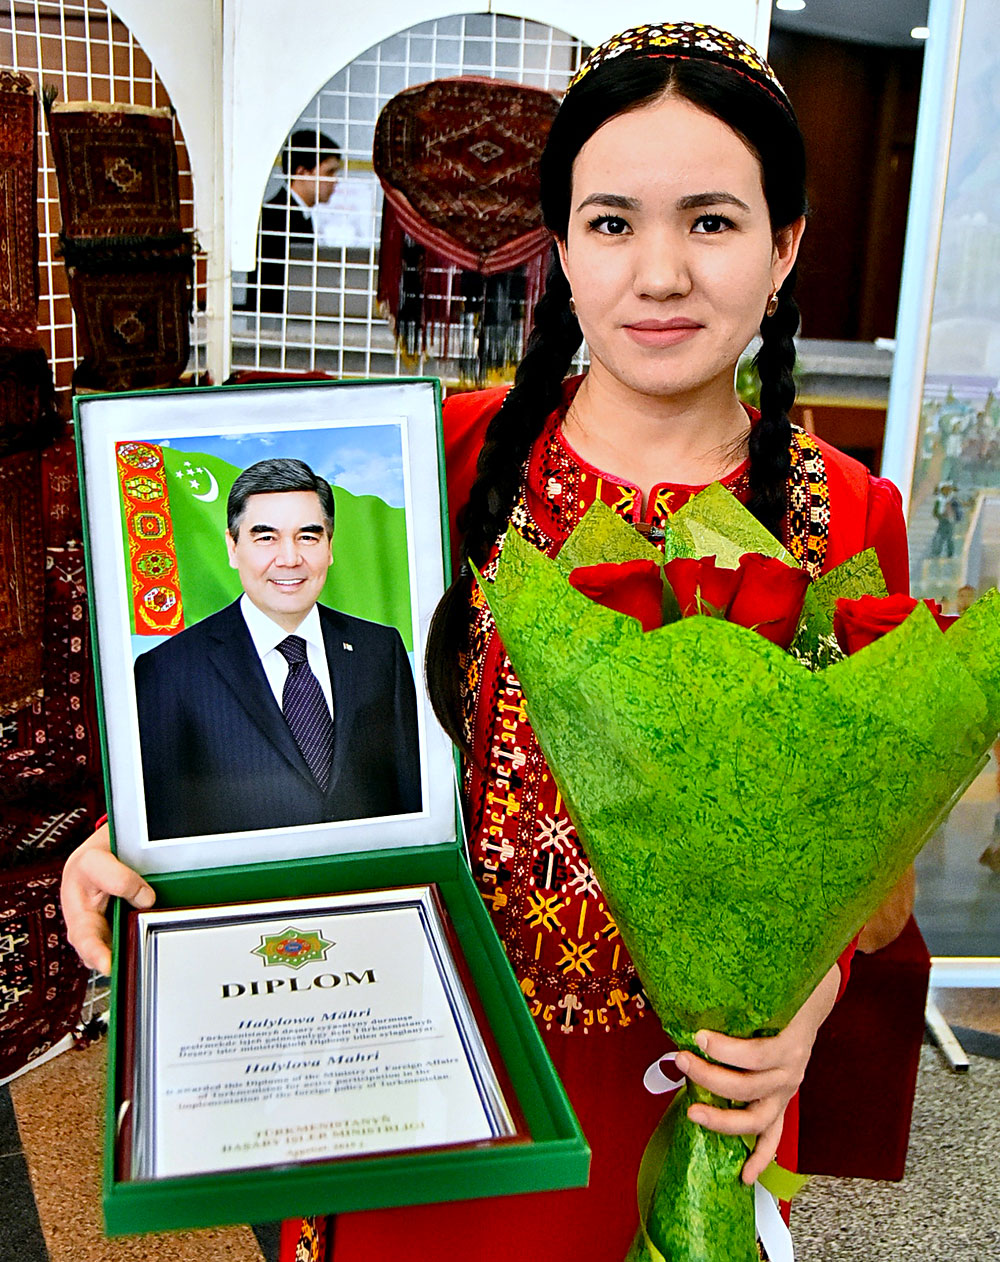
{"x":743,"y":814}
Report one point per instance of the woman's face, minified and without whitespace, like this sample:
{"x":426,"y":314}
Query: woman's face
{"x":669,"y":250}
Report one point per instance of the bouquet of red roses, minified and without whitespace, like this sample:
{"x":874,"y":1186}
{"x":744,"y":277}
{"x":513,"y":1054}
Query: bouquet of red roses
{"x":746,"y":793}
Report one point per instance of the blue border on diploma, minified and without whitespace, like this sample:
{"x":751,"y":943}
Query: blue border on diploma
{"x":432,"y":924}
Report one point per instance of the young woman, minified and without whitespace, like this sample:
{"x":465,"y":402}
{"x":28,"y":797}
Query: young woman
{"x":673,"y":185}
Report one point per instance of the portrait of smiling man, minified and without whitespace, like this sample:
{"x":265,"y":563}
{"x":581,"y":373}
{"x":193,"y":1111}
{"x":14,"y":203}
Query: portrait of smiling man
{"x":277,"y":711}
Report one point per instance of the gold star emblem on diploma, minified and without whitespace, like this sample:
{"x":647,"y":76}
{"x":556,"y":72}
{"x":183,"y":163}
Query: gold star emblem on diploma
{"x":292,"y":947}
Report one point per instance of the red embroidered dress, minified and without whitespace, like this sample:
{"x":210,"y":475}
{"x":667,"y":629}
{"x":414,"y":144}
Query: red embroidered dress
{"x":546,"y":904}
{"x":548,"y":909}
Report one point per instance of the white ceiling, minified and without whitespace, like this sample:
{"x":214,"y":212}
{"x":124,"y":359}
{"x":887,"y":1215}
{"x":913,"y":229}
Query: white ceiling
{"x":863,"y":21}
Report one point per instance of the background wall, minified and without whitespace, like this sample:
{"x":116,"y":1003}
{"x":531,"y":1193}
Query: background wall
{"x":857,"y":105}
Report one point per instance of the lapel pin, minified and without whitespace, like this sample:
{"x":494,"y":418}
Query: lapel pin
{"x":349,"y":647}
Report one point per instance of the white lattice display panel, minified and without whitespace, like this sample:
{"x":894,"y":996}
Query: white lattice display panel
{"x":329,"y":320}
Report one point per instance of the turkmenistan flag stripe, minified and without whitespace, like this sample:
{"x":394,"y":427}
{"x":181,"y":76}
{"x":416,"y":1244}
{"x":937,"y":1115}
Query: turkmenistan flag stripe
{"x":369,"y":576}
{"x":155,"y":607}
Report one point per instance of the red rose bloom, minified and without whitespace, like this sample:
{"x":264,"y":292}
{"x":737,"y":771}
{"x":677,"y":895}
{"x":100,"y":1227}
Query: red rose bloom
{"x":857,"y":623}
{"x":764,"y":594}
{"x":698,"y":582}
{"x":769,"y":597}
{"x":631,"y":587}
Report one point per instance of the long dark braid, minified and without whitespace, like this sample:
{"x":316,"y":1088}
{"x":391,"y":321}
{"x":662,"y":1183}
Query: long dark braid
{"x":537,"y":391}
{"x":770,"y":438}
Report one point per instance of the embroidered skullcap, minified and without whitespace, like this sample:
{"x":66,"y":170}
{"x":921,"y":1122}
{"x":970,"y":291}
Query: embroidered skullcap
{"x":688,"y":41}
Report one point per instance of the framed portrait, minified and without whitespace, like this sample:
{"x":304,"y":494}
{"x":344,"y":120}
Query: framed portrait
{"x":203,"y":557}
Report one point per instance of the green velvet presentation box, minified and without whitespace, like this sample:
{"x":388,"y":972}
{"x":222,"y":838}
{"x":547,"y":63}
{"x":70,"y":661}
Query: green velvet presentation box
{"x":317,"y":1015}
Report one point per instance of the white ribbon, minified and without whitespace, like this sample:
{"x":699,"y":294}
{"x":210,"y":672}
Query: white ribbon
{"x":772,"y":1231}
{"x":656,"y":1081}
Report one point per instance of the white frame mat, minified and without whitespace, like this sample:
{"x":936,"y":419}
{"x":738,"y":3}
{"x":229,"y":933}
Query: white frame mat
{"x":106,"y":420}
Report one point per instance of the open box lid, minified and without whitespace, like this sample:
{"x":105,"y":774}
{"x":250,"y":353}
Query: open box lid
{"x":156,"y":470}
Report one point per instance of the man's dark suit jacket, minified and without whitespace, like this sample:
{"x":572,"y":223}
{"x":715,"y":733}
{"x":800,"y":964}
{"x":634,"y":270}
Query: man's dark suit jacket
{"x":218,"y":756}
{"x":281,"y":223}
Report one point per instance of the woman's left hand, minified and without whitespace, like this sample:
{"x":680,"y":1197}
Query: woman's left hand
{"x":761,"y":1073}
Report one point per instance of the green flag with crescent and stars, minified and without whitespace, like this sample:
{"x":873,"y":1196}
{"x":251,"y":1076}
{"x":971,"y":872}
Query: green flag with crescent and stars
{"x":174,"y":514}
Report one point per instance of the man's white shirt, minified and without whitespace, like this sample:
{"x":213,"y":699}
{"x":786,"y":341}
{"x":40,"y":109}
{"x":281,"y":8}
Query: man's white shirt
{"x":306,"y":209}
{"x":267,"y":635}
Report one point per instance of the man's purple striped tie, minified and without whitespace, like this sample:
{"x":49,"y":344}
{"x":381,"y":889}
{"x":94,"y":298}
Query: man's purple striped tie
{"x":306,"y":711}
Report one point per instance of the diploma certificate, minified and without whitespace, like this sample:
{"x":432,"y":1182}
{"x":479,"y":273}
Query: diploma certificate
{"x":303,"y":1030}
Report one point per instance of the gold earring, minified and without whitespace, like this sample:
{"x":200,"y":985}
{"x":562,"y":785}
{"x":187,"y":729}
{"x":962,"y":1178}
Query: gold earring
{"x":572,"y":304}
{"x":772,"y":303}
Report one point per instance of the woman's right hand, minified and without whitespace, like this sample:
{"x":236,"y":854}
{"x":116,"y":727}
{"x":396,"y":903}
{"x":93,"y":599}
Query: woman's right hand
{"x":91,"y":876}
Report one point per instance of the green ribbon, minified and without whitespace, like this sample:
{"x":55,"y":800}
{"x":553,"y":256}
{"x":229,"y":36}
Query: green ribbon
{"x":649,"y":1169}
{"x":781,"y":1183}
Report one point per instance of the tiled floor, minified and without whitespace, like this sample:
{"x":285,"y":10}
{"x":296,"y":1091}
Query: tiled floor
{"x":21,"y":1237}
{"x":946,"y":1210}
{"x":60,"y":1119}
